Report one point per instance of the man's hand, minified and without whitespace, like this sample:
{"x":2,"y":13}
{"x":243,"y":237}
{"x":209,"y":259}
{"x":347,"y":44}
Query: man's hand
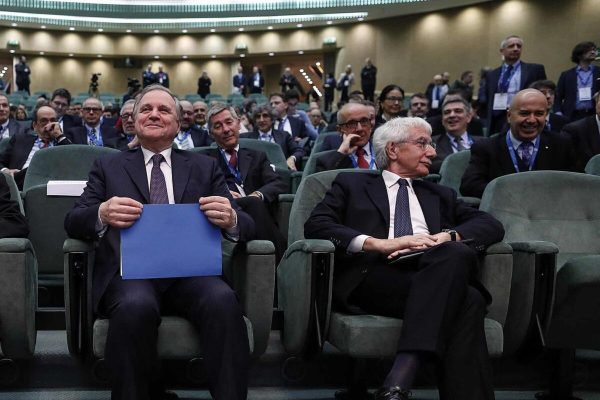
{"x":235,"y":195}
{"x":218,"y":210}
{"x":445,"y":237}
{"x":393,"y":247}
{"x":291,"y":163}
{"x":51,"y":130}
{"x":346,"y":148}
{"x":120,"y":212}
{"x":12,"y":172}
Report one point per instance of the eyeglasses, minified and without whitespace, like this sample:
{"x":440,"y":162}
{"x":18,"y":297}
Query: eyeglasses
{"x":352,"y":124}
{"x":91,"y":109}
{"x":394,"y":99}
{"x":422,"y":143}
{"x":126,"y":116}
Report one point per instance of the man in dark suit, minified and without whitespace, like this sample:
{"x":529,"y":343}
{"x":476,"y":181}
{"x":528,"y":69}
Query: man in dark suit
{"x":8,"y":126}
{"x":263,"y":119}
{"x":505,"y":81}
{"x":23,"y":145}
{"x":95,"y":130}
{"x":256,"y":81}
{"x":316,"y":119}
{"x":374,"y":218}
{"x":456,"y":115}
{"x":119,"y":185}
{"x":13,"y":224}
{"x":148,"y":77}
{"x":523,"y":148}
{"x":577,"y":85}
{"x":190,"y":135}
{"x":585,"y":134}
{"x":251,"y":180}
{"x":355,"y":124}
{"x":161,"y":77}
{"x":240,"y":83}
{"x":435,"y":92}
{"x":291,"y":124}
{"x":127,"y":139}
{"x":61,"y":101}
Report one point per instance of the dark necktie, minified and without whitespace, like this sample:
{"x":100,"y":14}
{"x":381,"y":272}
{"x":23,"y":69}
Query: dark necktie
{"x":45,"y":143}
{"x":506,"y":80}
{"x":233,"y":158}
{"x":2,"y":130}
{"x":459,"y":145}
{"x":526,"y":152}
{"x":92,"y":137}
{"x":402,"y":221}
{"x":360,"y":158}
{"x":158,"y":186}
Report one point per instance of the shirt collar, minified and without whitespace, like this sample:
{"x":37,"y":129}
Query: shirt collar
{"x":579,"y":69}
{"x":89,"y":128}
{"x":391,"y":178}
{"x":267,"y":134}
{"x":166,"y":154}
{"x":516,"y":142}
{"x":515,"y":65}
{"x":463,"y":138}
{"x":5,"y":125}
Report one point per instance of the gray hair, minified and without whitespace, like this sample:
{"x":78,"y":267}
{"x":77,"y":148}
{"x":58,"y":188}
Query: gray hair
{"x":265,"y":108}
{"x":504,"y":42}
{"x":456,"y":99}
{"x":93,"y":99}
{"x":128,"y":102}
{"x":218,"y":108}
{"x":396,"y":130}
{"x":341,"y":115}
{"x":152,"y":88}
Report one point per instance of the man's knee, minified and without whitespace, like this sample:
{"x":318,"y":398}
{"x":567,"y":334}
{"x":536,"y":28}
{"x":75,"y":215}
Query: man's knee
{"x":135,"y":308}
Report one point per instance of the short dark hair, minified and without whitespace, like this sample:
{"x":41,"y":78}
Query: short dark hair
{"x":264,"y":108}
{"x":543,"y":84}
{"x":464,"y":74}
{"x":278,"y":94}
{"x":419,"y":95}
{"x":291,"y":94}
{"x":388,"y":89}
{"x":580,"y":49}
{"x":62,"y":92}
{"x":456,"y":99}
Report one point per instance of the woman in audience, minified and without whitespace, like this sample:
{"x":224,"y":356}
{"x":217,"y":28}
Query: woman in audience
{"x":21,"y":114}
{"x":390,"y":104}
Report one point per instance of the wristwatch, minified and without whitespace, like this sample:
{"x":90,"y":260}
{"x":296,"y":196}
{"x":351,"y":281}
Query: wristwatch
{"x":452,"y":234}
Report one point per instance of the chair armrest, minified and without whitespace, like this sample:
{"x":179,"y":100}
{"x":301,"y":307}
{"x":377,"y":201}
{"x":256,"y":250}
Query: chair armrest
{"x":284,"y":208}
{"x":295,"y":179}
{"x":18,"y":302}
{"x":79,"y":317}
{"x":304,"y":287}
{"x":472,"y":201}
{"x":253,"y":278}
{"x":536,"y":247}
{"x":496,"y":275}
{"x":435,"y":178}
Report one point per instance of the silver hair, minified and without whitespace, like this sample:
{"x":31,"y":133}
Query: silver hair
{"x":265,"y":108}
{"x":152,"y":88}
{"x":218,"y":108}
{"x":504,"y":41}
{"x":341,"y":115}
{"x":128,"y":102}
{"x":93,"y":99}
{"x":396,"y":130}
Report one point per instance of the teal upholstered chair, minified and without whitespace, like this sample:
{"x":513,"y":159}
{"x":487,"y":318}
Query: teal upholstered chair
{"x":593,"y":166}
{"x":552,"y":222}
{"x":250,"y":268}
{"x":451,"y":172}
{"x":18,"y":299}
{"x":320,"y":139}
{"x":304,"y":278}
{"x":46,"y":213}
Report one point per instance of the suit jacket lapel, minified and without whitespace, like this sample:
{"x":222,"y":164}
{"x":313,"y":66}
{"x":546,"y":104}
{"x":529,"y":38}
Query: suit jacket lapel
{"x":244,"y":162}
{"x":542,"y":158}
{"x":594,"y":136}
{"x":377,"y":192}
{"x":524,"y":74}
{"x":181,"y":173}
{"x":504,"y":155}
{"x":136,"y":169}
{"x":430,"y":205}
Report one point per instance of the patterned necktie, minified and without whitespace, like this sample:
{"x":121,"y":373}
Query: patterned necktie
{"x":360,"y":158}
{"x":506,"y":80}
{"x":526,"y":148}
{"x":2,"y":130}
{"x":459,"y":145}
{"x":402,"y":221}
{"x":45,"y":143}
{"x":92,"y":137}
{"x":158,"y":186}
{"x":232,"y":158}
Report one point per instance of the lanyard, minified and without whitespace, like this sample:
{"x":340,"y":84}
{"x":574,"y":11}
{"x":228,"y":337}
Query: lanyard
{"x":267,"y":138}
{"x":455,"y":145}
{"x":588,"y":74}
{"x":513,"y":153}
{"x":234,"y":171}
{"x":185,"y":136}
{"x":354,"y":158}
{"x":503,"y":86}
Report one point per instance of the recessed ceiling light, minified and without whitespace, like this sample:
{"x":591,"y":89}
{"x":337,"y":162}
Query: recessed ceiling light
{"x":317,"y":63}
{"x":128,"y":31}
{"x":72,"y":28}
{"x":302,"y":70}
{"x":213,"y":56}
{"x":184,"y":30}
{"x":156,"y":31}
{"x":100,"y":30}
{"x":329,"y":22}
{"x":361,"y":19}
{"x":271,"y":54}
{"x":99,"y":55}
{"x":213,"y":30}
{"x":242,"y":55}
{"x":301,"y":52}
{"x":71,"y":54}
{"x":11,"y":51}
{"x":241,"y":29}
{"x":43,"y":26}
{"x":13,"y":24}
{"x":184,"y":57}
{"x":299,"y":25}
{"x":156,"y":57}
{"x":42,"y":53}
{"x":269,"y":27}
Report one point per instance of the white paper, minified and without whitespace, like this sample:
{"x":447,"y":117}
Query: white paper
{"x":501,"y":101}
{"x":65,"y":188}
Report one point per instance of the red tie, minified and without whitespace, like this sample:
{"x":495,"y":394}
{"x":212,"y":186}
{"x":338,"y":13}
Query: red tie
{"x":233,"y":158}
{"x":360,"y":156}
{"x":45,"y":143}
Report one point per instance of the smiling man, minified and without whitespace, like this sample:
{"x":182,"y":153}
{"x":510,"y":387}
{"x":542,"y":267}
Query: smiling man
{"x":118,"y":187}
{"x":374,"y":217}
{"x":522,"y":148}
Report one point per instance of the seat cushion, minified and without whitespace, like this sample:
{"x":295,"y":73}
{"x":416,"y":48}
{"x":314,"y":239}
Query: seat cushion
{"x":373,"y":336}
{"x":177,"y":338}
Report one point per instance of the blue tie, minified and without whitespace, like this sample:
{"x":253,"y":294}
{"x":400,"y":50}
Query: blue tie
{"x":158,"y":186}
{"x":526,"y":152}
{"x":506,"y":80}
{"x":402,"y":220}
{"x":92,"y":137}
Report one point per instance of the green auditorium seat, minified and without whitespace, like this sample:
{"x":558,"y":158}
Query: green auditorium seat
{"x":304,"y":284}
{"x":320,"y":139}
{"x":451,"y":172}
{"x":552,"y":222}
{"x":592,"y":167}
{"x":18,"y":302}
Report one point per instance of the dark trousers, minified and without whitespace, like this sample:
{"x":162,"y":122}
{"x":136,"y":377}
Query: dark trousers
{"x":265,"y":226}
{"x":134,"y":308}
{"x":442,"y":315}
{"x":369,"y":92}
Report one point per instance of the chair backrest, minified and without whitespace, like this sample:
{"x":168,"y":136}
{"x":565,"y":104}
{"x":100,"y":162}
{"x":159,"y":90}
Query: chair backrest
{"x":15,"y":195}
{"x":593,"y":166}
{"x":311,"y":191}
{"x":452,"y":169}
{"x":72,"y":162}
{"x":320,"y":139}
{"x":555,"y":206}
{"x":273,"y":150}
{"x":311,"y":164}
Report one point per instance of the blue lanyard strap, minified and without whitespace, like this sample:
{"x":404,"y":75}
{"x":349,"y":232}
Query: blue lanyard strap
{"x":585,"y":74}
{"x":186,"y":134}
{"x":354,"y":158}
{"x":455,"y":145}
{"x":503,"y":85}
{"x":513,"y":153}
{"x":234,"y":171}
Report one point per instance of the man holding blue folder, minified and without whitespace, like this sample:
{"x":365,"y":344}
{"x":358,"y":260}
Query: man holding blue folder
{"x":119,"y":185}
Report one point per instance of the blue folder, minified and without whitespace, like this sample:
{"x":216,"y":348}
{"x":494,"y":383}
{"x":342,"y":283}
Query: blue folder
{"x":171,"y":241}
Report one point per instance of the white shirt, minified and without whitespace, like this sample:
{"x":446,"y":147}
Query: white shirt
{"x":184,"y":144}
{"x":284,"y":125}
{"x":4,"y":130}
{"x":464,"y":141}
{"x":165,"y":167}
{"x":419,"y":225}
{"x":266,"y":136}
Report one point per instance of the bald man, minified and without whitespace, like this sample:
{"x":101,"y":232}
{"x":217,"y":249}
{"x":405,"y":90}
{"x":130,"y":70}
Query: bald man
{"x":522,"y":148}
